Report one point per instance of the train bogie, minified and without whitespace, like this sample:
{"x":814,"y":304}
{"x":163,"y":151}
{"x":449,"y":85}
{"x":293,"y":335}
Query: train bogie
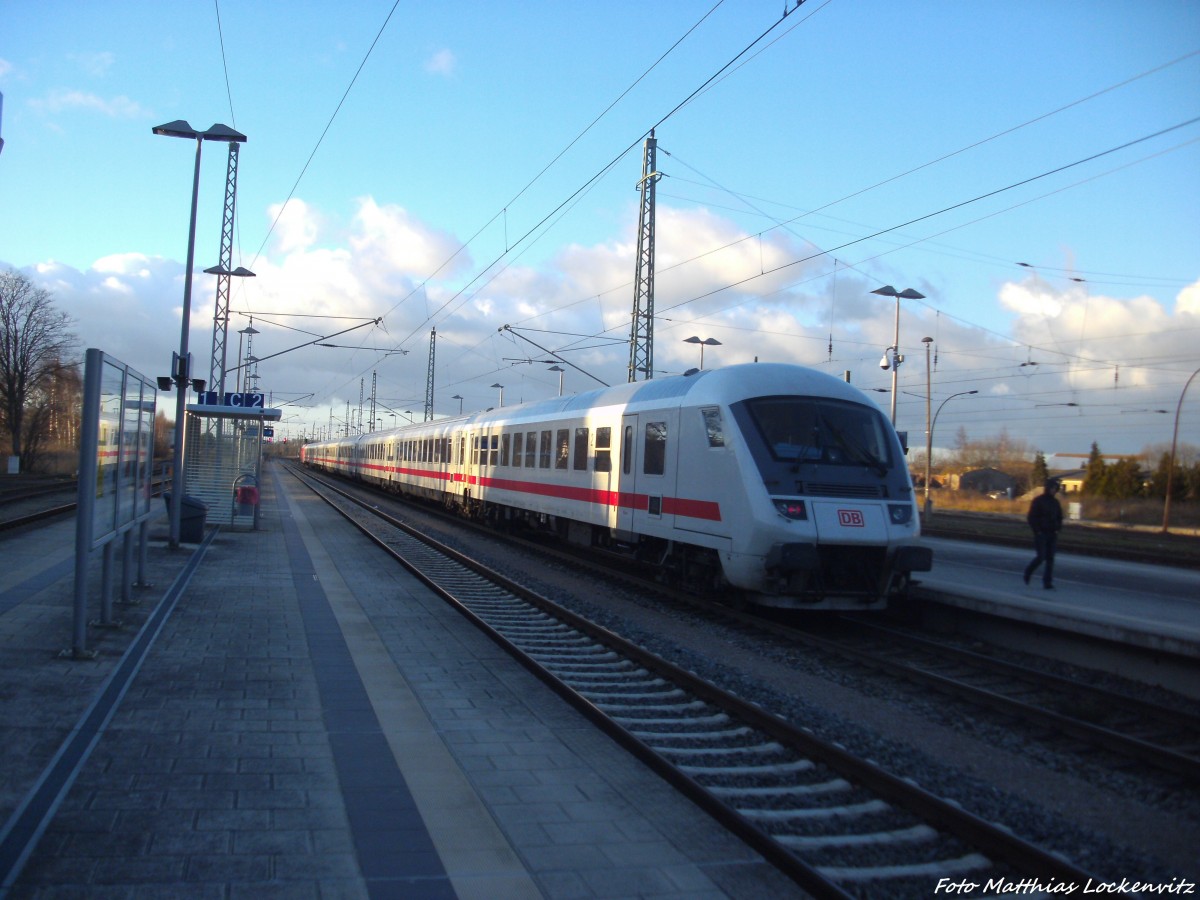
{"x":777,"y":482}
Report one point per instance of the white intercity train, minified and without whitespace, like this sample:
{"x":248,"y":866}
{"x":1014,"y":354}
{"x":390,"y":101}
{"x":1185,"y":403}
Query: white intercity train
{"x":782,"y":485}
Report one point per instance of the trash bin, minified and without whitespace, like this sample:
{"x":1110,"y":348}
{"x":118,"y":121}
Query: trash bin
{"x":192,"y":514}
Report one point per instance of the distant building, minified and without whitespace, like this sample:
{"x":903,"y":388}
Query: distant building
{"x":988,"y":481}
{"x":1072,"y":481}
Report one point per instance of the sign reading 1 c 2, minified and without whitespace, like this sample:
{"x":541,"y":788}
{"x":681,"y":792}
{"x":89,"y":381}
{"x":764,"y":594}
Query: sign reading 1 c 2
{"x":245,"y":400}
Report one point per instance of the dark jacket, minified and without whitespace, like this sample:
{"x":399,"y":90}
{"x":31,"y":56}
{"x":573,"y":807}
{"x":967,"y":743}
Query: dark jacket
{"x":1045,"y":513}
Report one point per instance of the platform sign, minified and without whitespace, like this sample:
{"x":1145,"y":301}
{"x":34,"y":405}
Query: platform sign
{"x":241,"y":400}
{"x":269,"y":432}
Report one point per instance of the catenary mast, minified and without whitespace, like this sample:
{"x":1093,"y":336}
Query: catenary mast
{"x":641,"y":333}
{"x":429,"y":376}
{"x":216,"y":374}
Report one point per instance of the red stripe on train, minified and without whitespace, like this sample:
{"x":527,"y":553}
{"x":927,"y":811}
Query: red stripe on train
{"x":671,"y":506}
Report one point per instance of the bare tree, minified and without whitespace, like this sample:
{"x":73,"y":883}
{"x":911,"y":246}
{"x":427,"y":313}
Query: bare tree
{"x":34,"y":338}
{"x":53,"y":411}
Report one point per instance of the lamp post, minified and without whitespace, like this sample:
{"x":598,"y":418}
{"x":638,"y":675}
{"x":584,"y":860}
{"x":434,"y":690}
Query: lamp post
{"x":498,"y":385}
{"x":1166,"y":526}
{"x":560,"y":370}
{"x":929,"y":447}
{"x":710,"y":342}
{"x":897,"y":358}
{"x":927,"y":341}
{"x":459,"y":398}
{"x":181,"y":129}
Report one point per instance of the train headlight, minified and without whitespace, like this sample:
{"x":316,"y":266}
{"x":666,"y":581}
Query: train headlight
{"x":900,"y":513}
{"x":791,"y":509}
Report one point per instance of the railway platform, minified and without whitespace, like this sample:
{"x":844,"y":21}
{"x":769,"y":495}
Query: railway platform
{"x":281,"y":714}
{"x":1152,"y":607}
{"x":1130,"y":619}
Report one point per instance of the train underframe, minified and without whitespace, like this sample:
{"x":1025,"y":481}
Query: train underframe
{"x":798,"y":576}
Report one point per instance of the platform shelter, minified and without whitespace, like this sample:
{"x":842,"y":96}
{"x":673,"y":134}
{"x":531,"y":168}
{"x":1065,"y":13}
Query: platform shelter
{"x":223,"y":439}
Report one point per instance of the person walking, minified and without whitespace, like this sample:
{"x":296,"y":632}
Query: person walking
{"x":1045,"y":518}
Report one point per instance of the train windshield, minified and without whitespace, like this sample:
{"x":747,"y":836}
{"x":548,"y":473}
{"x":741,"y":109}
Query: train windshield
{"x":817,"y":430}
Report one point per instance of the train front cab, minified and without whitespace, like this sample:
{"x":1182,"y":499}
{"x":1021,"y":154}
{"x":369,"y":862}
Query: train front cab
{"x":834,"y":469}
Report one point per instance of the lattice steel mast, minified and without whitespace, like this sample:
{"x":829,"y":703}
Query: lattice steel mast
{"x":641,"y":333}
{"x":429,"y":376}
{"x":374,"y":385}
{"x":216,"y":373}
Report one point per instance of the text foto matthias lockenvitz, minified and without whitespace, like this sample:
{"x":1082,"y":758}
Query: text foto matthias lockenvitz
{"x":1176,"y":886}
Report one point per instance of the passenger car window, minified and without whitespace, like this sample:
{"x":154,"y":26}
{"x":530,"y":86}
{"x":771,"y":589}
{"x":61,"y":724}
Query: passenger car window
{"x":654,"y":451}
{"x":579,"y":457}
{"x":531,"y":450}
{"x":518,"y":447}
{"x":603,"y":451}
{"x":544,"y":450}
{"x":562,"y":448}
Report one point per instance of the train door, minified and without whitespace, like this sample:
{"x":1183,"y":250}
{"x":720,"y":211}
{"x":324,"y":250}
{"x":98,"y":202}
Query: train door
{"x":470,"y":464}
{"x":648,"y":470}
{"x":627,"y":497}
{"x":606,"y":469}
{"x":458,"y":463}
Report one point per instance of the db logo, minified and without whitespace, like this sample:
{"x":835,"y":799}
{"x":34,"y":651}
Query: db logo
{"x":850,"y":518}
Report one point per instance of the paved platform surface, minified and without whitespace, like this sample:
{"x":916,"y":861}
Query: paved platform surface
{"x":281,"y":714}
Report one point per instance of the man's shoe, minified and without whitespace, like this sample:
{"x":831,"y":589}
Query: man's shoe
{"x":1026,"y":577}
{"x":1049,"y":587}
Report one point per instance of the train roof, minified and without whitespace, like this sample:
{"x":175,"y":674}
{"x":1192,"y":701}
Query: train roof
{"x":725,"y":385}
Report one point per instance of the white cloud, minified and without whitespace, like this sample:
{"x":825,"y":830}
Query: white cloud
{"x":1188,"y":301}
{"x":443,"y":62}
{"x":64,"y":100}
{"x":296,"y":226}
{"x":129,"y":305}
{"x":387,"y":240}
{"x":94,"y":64}
{"x":1093,"y":341}
{"x":1031,"y":298}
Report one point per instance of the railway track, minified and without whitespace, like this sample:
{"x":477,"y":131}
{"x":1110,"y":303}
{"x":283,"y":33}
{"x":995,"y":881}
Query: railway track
{"x":47,"y":499}
{"x":838,"y":825}
{"x":1127,"y":728}
{"x":16,"y":502}
{"x":1137,"y":730}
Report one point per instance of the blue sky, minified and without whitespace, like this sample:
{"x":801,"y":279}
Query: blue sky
{"x":480,"y":171}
